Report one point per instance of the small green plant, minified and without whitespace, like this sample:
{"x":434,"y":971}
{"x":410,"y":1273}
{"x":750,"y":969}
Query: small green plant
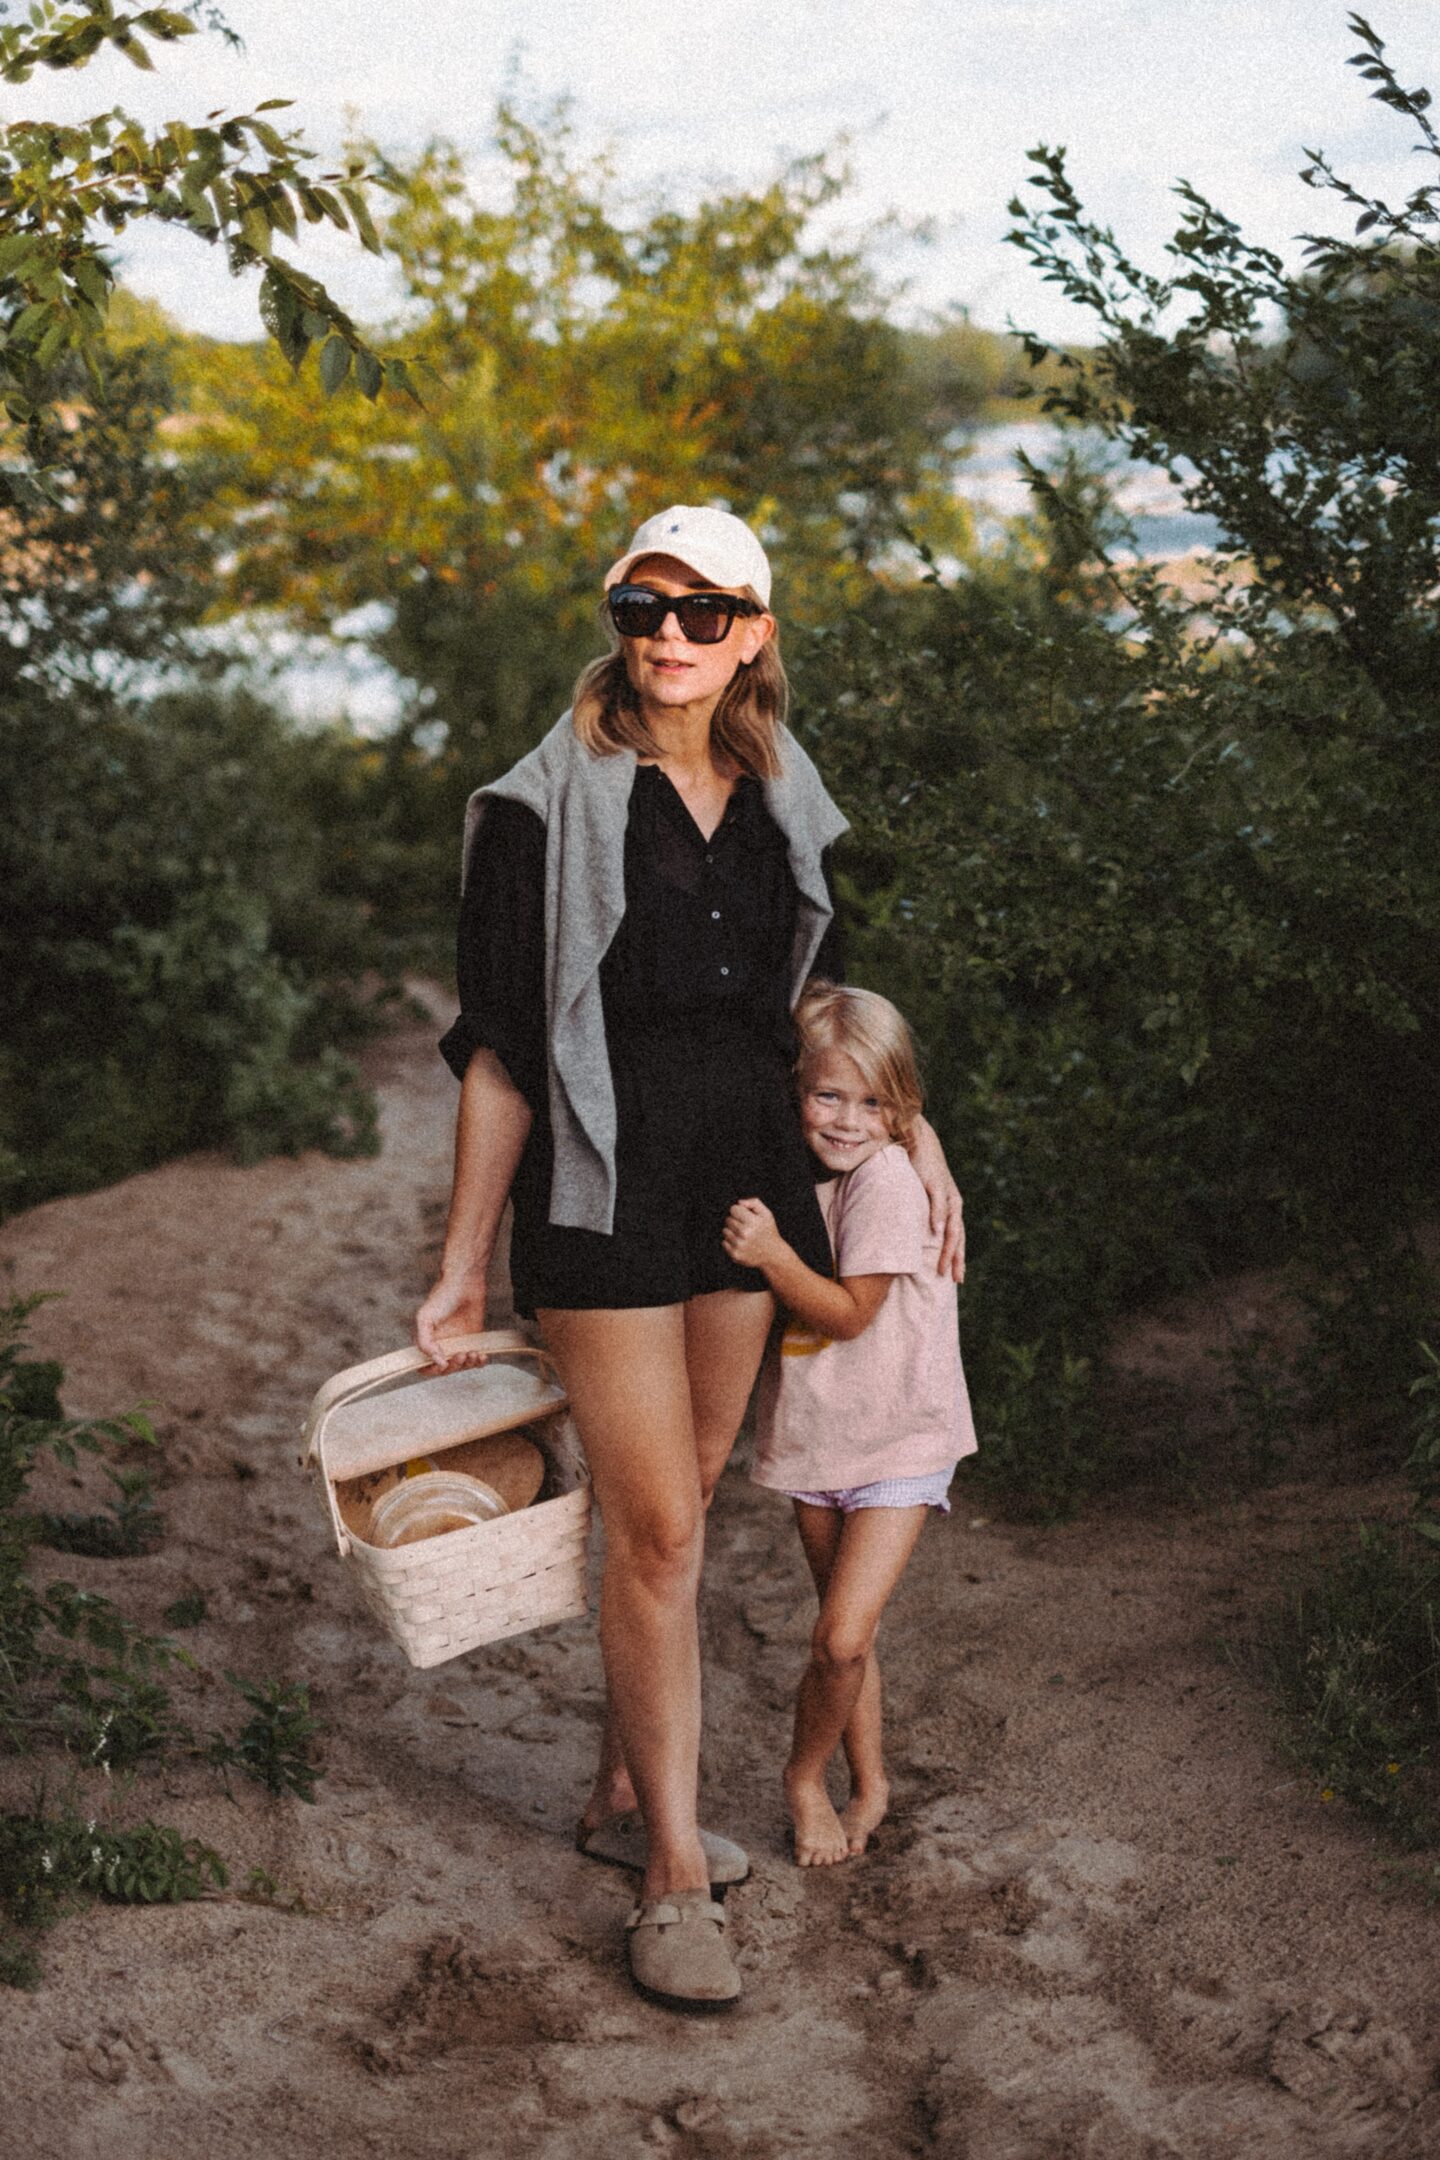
{"x":1423,"y":1465}
{"x":263,"y":1888}
{"x":129,"y":1526}
{"x":187,"y":1611}
{"x":51,"y":1865}
{"x":275,"y":1745}
{"x":1367,"y":1304}
{"x":1040,"y":1439}
{"x":1263,"y":1405}
{"x":1354,"y":1656}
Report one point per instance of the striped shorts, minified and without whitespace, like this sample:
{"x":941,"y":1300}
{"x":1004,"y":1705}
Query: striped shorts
{"x":928,"y":1491}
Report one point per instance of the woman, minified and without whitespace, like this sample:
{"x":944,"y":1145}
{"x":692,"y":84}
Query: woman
{"x":645,"y":896}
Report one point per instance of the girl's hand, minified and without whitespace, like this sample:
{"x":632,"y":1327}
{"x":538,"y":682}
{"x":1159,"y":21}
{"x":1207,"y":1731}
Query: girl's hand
{"x":750,"y":1237}
{"x":947,"y":1209}
{"x":456,"y":1306}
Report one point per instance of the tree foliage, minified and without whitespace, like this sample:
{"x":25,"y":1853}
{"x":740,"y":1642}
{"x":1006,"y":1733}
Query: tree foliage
{"x":591,"y":361}
{"x":179,"y":947}
{"x":1157,"y":866}
{"x":68,"y":191}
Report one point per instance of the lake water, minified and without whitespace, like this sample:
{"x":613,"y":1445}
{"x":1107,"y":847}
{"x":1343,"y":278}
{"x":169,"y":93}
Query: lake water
{"x":990,"y":478}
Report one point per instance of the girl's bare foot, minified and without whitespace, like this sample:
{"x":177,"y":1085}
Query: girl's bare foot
{"x":820,"y":1839}
{"x":863,"y":1815}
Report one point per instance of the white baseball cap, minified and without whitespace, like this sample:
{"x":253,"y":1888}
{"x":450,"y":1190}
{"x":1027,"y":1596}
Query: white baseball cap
{"x":720,"y":547}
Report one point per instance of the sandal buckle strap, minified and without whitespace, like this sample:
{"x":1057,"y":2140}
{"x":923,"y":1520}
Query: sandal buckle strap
{"x":662,"y":1913}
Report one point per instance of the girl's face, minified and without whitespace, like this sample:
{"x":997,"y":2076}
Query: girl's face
{"x":667,"y":671}
{"x":844,"y":1123}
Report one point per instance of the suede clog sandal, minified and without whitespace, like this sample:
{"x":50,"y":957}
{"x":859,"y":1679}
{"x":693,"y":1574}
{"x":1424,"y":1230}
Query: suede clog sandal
{"x":622,"y":1842}
{"x":678,"y":1953}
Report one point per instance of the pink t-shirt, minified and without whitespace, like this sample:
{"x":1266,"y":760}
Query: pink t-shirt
{"x":893,"y":1402}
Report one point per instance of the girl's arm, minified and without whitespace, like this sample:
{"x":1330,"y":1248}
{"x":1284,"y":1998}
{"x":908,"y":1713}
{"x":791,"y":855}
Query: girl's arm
{"x":947,"y":1209}
{"x":841,"y":1310}
{"x":490,"y":1135}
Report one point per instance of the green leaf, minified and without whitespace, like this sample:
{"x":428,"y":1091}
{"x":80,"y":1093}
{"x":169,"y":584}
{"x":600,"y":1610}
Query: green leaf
{"x":255,"y":229}
{"x":16,"y":249}
{"x":330,"y":206}
{"x":360,"y":211}
{"x":369,"y":374}
{"x":269,"y":139}
{"x":315,"y":325}
{"x":166,"y":23}
{"x":281,"y":314}
{"x":334,"y":364}
{"x":277,"y":202}
{"x":29,"y":322}
{"x":400,"y":375}
{"x":92,"y":281}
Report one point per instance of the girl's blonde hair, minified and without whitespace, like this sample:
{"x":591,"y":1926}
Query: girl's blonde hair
{"x":745,"y":729}
{"x":866,"y":1027}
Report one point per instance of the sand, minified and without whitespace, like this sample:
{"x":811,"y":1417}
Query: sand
{"x":1106,"y":1919}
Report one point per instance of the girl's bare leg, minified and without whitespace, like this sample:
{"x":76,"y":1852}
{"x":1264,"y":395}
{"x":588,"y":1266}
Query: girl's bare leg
{"x":856,"y":1560}
{"x":651,"y":1390}
{"x":862,"y":1738}
{"x":862,"y":1741}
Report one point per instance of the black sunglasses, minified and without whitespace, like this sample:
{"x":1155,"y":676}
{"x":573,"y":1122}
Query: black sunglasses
{"x":704,"y":617}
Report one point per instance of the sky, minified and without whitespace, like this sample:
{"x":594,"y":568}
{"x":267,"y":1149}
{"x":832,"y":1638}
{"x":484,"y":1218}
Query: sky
{"x":940,"y":100}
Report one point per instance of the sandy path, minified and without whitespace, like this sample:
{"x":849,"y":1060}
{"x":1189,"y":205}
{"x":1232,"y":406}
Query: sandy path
{"x":1104,"y":1921}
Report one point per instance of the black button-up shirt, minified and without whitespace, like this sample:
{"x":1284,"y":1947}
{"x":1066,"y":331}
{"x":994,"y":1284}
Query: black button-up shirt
{"x":707,"y":932}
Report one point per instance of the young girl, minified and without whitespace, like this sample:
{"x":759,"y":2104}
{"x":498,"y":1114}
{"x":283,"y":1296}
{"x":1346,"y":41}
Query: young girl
{"x":863,"y":1413}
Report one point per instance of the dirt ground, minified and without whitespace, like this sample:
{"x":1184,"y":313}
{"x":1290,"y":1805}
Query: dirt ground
{"x":1105,"y":1920}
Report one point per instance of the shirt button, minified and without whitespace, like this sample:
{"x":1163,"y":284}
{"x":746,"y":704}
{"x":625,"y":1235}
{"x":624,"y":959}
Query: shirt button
{"x":724,"y":971}
{"x":709,"y":858}
{"x":714,"y":914}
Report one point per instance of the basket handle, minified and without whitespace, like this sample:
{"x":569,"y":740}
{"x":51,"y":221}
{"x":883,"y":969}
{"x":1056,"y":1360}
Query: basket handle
{"x":358,"y":1381}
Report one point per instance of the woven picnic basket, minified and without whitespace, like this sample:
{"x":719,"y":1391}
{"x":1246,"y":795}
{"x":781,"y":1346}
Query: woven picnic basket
{"x":444,"y":1595}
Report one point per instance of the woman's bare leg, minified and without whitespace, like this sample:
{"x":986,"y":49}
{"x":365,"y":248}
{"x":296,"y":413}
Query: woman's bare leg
{"x":857,"y":1560}
{"x":634,"y":1380}
{"x":725,"y":1335}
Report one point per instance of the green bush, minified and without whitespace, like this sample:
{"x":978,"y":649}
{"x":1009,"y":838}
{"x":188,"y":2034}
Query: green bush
{"x":1354,"y":1657}
{"x":186,"y":943}
{"x":1155,"y":870}
{"x":52,"y":1865}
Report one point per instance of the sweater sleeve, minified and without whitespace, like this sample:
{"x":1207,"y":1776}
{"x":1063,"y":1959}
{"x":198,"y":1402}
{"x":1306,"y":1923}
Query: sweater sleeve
{"x":500,"y":950}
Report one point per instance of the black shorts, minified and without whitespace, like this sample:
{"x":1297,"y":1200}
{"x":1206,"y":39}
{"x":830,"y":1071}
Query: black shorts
{"x":704,"y":1119}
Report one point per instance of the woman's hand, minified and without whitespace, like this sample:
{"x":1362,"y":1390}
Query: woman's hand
{"x":947,"y":1209}
{"x":750,"y":1237}
{"x":456,"y":1306}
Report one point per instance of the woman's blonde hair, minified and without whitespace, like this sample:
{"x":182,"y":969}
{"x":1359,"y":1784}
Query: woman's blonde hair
{"x":866,"y":1027}
{"x":745,"y":728}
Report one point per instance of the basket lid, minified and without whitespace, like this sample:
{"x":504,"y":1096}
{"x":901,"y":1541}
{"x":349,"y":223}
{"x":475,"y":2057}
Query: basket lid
{"x":438,"y":1412}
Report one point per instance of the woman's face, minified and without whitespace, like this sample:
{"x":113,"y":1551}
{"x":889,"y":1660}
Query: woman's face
{"x":667,"y":672}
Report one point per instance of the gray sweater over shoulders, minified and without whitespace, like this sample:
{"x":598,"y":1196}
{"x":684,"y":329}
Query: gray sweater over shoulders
{"x":584,"y":803}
